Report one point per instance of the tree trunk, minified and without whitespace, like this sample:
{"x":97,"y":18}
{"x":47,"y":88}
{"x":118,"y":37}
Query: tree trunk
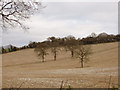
{"x":43,"y":58}
{"x":72,"y":53}
{"x":55,"y":56}
{"x":82,"y":63}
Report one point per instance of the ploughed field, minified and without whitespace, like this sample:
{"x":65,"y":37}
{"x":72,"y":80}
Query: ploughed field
{"x":25,"y":70}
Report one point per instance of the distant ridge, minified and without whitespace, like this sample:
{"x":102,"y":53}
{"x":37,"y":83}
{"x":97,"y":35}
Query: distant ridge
{"x":7,"y":46}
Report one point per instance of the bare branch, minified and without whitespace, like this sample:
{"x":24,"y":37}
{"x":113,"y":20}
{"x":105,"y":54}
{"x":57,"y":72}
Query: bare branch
{"x":82,"y":52}
{"x":5,"y":5}
{"x":15,"y":11}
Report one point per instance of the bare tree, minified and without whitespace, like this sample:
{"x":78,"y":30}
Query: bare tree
{"x":71,"y":44}
{"x":55,"y":49}
{"x":41,"y":50}
{"x":82,"y":52}
{"x":71,"y":49}
{"x":14,"y":12}
{"x":54,"y":46}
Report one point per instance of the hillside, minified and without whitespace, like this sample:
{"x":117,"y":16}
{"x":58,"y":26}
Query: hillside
{"x":25,"y":66}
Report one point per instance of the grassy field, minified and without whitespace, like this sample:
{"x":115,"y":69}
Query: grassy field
{"x":25,"y":67}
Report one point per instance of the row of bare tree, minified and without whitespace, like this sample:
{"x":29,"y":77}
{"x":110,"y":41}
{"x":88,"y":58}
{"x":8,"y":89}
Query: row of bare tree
{"x":52,"y":46}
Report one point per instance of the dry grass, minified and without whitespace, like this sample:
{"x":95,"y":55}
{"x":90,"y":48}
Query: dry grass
{"x":25,"y":66}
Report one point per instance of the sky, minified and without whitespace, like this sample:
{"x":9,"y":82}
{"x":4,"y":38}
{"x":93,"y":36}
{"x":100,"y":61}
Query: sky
{"x":61,"y":19}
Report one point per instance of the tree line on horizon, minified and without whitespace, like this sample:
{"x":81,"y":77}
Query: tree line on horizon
{"x":67,"y":41}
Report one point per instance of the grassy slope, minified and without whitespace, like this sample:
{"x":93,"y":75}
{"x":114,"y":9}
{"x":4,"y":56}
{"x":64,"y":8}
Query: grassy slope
{"x":26,"y":61}
{"x":103,"y":55}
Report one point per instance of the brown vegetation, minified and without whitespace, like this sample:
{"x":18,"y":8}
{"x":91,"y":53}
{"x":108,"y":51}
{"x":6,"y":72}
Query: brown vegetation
{"x":23,"y":66}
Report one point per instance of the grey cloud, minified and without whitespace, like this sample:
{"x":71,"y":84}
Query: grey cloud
{"x":68,"y":18}
{"x":79,"y":10}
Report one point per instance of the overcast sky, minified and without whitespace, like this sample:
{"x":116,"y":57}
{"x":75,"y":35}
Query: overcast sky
{"x":61,"y":19}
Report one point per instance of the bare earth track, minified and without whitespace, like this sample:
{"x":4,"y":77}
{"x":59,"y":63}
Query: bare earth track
{"x":25,"y":66}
